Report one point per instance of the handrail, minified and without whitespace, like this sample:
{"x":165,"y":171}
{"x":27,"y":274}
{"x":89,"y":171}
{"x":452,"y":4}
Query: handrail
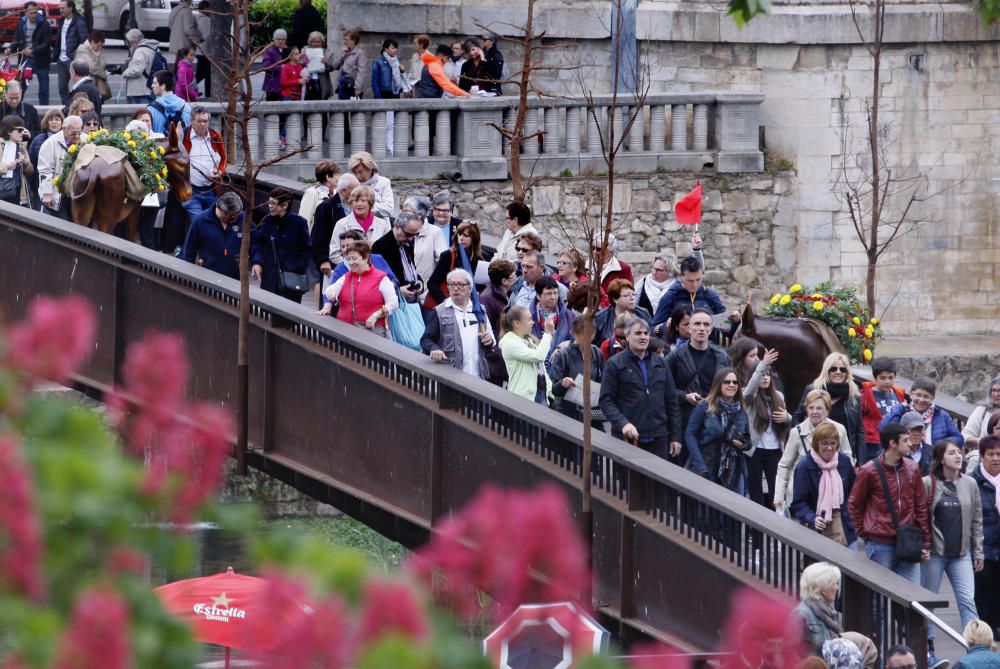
{"x":657,"y":495}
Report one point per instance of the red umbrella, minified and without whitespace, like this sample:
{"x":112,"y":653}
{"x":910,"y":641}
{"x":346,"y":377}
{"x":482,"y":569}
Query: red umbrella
{"x":231,"y":610}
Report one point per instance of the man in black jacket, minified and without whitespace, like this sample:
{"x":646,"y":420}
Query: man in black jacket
{"x":638,"y":395}
{"x":81,"y":84}
{"x":14,"y":105}
{"x":33,"y":38}
{"x":72,"y":33}
{"x":693,"y":365}
{"x":305,"y":20}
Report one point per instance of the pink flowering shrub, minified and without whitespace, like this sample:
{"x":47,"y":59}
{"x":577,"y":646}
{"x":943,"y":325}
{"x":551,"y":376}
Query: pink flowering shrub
{"x":392,"y":607}
{"x":519,"y":547}
{"x":55,"y":340}
{"x":762,"y":631}
{"x":20,"y":535}
{"x":98,"y":636}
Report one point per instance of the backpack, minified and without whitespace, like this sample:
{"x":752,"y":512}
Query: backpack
{"x":176,"y":116}
{"x":159,"y":63}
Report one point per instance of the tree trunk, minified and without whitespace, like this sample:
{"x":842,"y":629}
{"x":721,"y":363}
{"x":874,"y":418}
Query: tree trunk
{"x":873,"y":141}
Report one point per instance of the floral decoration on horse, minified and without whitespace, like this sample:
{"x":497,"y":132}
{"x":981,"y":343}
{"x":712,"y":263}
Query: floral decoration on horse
{"x":142,"y":153}
{"x":837,"y":307}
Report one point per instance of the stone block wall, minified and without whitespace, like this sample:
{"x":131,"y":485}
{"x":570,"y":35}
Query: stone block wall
{"x":940,"y":104}
{"x":748,"y":227}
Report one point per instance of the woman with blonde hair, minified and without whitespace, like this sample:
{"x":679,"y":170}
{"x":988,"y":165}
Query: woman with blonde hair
{"x":364,"y":167}
{"x":979,"y":636}
{"x":362,"y":217}
{"x":800,"y":442}
{"x":845,"y":396}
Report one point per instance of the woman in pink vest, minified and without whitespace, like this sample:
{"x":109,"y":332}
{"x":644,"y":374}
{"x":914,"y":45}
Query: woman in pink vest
{"x":365,"y":296}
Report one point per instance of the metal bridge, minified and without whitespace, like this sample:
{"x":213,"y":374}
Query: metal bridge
{"x":398,"y":442}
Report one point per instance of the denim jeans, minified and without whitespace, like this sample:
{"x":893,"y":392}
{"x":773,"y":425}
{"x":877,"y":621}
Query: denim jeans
{"x":202,"y":199}
{"x":42,"y":77}
{"x":885,"y":555}
{"x":962,"y":578}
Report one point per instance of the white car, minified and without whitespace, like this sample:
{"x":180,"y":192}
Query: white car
{"x":112,"y":16}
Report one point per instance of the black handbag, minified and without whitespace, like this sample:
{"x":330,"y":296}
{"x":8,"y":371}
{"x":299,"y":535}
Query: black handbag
{"x":289,"y":282}
{"x":909,"y":538}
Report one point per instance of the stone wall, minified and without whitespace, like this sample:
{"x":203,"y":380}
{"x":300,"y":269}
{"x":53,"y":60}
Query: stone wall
{"x":748,"y":224}
{"x":939,"y":101}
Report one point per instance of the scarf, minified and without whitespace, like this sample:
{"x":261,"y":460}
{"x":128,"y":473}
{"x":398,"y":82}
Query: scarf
{"x":837,"y":390}
{"x":397,"y":77}
{"x":613,"y":265}
{"x":831,"y":486}
{"x":826,"y":613}
{"x":366,"y":223}
{"x":995,"y":480}
{"x":655,"y":290}
{"x":929,"y":418}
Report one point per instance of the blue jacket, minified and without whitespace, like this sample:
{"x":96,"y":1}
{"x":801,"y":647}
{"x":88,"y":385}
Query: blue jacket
{"x":704,"y":298}
{"x":979,"y":657}
{"x":703,"y":438}
{"x":381,"y":77}
{"x":286,"y":237}
{"x":218,"y":249}
{"x":172,"y":104}
{"x":991,"y":516}
{"x":942,"y":426}
{"x":806,"y":487}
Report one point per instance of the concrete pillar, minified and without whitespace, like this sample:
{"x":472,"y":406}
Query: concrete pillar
{"x":358,"y":132}
{"x":552,"y":142}
{"x":737,"y":129}
{"x":378,"y":135}
{"x":530,"y":147}
{"x":657,"y":128}
{"x":253,"y":134}
{"x":594,"y":118}
{"x":335,"y":135}
{"x":272,"y":137}
{"x":315,"y":136}
{"x":619,"y":124}
{"x":700,"y":129}
{"x":421,"y":135}
{"x":678,"y":127}
{"x":573,"y":129}
{"x":442,"y":132}
{"x":636,"y":134}
{"x":401,"y":140}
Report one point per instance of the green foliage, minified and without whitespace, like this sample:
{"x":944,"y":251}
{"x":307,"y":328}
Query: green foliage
{"x":266,"y":16}
{"x":988,"y":10}
{"x":566,"y":173}
{"x":744,"y":10}
{"x":143,"y":153}
{"x":776,"y":164}
{"x":837,"y":307}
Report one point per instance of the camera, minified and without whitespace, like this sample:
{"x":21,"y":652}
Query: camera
{"x":416,"y":286}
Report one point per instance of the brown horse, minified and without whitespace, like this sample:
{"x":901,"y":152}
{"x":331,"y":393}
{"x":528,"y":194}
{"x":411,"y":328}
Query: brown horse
{"x":803,"y":343}
{"x":98,"y":196}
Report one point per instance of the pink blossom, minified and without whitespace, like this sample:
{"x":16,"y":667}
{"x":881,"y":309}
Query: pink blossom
{"x":155,"y":370}
{"x":762,"y":631}
{"x":125,"y":561}
{"x":391,"y":607}
{"x":298,"y":633}
{"x":21,"y":543}
{"x":55,"y":339}
{"x":519,"y":547}
{"x":98,"y":636}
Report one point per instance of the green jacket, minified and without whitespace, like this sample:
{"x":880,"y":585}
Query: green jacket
{"x":521,"y":360}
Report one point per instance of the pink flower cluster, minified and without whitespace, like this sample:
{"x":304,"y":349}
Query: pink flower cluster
{"x":55,"y":340}
{"x":21,"y":545}
{"x":184,"y":445}
{"x":298,"y":632}
{"x":762,"y":631}
{"x":391,"y":607}
{"x":519,"y":547}
{"x":99,"y":635}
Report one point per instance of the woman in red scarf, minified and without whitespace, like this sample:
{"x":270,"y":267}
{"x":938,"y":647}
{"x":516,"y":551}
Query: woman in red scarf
{"x":365,"y":296}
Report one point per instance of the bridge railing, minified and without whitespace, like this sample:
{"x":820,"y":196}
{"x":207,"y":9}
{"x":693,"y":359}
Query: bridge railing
{"x":383,"y":432}
{"x":459,"y":137}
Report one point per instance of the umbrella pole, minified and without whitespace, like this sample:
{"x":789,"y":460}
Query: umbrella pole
{"x":227,"y":657}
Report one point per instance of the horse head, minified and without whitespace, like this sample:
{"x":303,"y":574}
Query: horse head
{"x":178,"y":164}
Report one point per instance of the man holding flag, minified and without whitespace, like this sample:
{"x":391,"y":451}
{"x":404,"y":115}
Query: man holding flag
{"x":689,"y":289}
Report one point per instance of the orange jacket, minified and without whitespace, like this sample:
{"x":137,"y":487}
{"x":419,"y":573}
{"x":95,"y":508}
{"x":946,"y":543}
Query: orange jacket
{"x":436,"y":70}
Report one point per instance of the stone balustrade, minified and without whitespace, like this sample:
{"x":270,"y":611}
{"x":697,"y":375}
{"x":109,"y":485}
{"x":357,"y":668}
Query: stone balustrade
{"x":458,"y":138}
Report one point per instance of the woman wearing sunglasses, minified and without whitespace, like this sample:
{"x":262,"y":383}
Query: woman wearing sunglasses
{"x":718,"y":433}
{"x":835,"y":378}
{"x":14,"y":162}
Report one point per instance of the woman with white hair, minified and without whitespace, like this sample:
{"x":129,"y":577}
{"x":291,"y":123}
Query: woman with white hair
{"x":364,"y":167}
{"x":818,"y":588}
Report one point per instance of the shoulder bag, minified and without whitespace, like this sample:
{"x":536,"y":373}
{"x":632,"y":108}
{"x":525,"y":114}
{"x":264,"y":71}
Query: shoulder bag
{"x":289,"y":282}
{"x":407,"y":324}
{"x":909,"y":538}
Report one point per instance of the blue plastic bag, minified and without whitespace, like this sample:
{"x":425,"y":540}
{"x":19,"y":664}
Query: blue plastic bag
{"x":406,"y":325}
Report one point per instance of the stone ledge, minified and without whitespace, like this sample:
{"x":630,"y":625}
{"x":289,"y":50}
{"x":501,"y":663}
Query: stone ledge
{"x":826,"y":23}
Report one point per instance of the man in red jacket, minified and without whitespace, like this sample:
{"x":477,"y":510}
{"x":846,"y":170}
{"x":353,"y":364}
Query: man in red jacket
{"x":869,"y":507}
{"x":207,"y":153}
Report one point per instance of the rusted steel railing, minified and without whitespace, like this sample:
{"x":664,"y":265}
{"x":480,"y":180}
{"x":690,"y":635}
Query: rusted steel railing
{"x":398,"y":441}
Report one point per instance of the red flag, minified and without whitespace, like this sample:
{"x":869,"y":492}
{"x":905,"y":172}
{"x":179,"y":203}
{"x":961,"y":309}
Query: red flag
{"x":688,"y":208}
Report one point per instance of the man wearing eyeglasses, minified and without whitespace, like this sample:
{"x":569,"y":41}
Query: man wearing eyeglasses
{"x":406,"y":248}
{"x":517,"y":222}
{"x":454,"y":335}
